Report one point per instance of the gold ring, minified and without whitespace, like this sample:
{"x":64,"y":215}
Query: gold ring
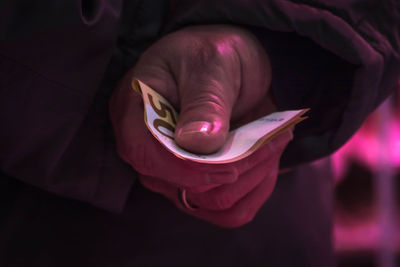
{"x":184,"y":201}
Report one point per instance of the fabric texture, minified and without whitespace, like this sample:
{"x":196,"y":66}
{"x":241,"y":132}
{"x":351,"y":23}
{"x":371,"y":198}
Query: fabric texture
{"x":59,"y":62}
{"x":362,"y":32}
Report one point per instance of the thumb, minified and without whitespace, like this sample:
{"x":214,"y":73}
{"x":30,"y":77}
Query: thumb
{"x":206,"y":107}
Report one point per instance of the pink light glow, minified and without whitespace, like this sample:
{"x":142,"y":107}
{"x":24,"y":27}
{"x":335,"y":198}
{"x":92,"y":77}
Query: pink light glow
{"x":364,"y":148}
{"x":354,"y":233}
{"x":358,"y":235}
{"x":363,"y":236}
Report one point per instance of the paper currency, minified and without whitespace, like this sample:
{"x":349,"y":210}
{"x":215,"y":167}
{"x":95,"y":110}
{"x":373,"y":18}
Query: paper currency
{"x":161,"y":118}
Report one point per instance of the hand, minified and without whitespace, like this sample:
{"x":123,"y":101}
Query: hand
{"x":215,"y":76}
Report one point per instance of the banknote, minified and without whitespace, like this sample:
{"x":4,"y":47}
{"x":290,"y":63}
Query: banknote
{"x":161,"y":119}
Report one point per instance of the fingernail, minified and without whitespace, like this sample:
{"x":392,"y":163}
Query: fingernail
{"x":196,"y":127}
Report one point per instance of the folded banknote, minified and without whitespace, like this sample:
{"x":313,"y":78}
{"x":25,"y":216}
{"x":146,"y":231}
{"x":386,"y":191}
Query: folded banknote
{"x":161,"y":118}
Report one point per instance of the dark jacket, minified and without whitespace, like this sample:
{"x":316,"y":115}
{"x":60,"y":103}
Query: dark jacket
{"x":59,"y":62}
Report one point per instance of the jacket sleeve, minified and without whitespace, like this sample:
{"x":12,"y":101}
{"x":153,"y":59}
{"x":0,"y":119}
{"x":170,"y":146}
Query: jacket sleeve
{"x":361,"y":38}
{"x":53,"y":55}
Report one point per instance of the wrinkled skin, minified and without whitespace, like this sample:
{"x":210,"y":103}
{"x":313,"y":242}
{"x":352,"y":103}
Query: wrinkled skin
{"x":217,"y":77}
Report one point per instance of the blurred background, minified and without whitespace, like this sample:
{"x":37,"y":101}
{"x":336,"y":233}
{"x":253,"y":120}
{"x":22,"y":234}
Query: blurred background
{"x":367,"y":192}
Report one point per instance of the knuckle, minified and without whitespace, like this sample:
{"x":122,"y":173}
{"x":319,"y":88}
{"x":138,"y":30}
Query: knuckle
{"x":205,"y":51}
{"x":211,"y":98}
{"x":240,"y":218}
{"x":222,"y":201}
{"x":199,"y":50}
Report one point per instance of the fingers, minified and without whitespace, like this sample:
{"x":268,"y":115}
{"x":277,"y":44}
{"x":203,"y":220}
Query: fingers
{"x":226,"y":196}
{"x":270,"y":151}
{"x":208,"y":84}
{"x":234,"y":204}
{"x":241,"y":212}
{"x":244,"y":210}
{"x":138,"y":147}
{"x":221,"y":75}
{"x":201,"y":74}
{"x":203,"y":81}
{"x":149,"y":157}
{"x":252,"y":171}
{"x":144,"y":153}
{"x":222,"y":197}
{"x":212,"y":76}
